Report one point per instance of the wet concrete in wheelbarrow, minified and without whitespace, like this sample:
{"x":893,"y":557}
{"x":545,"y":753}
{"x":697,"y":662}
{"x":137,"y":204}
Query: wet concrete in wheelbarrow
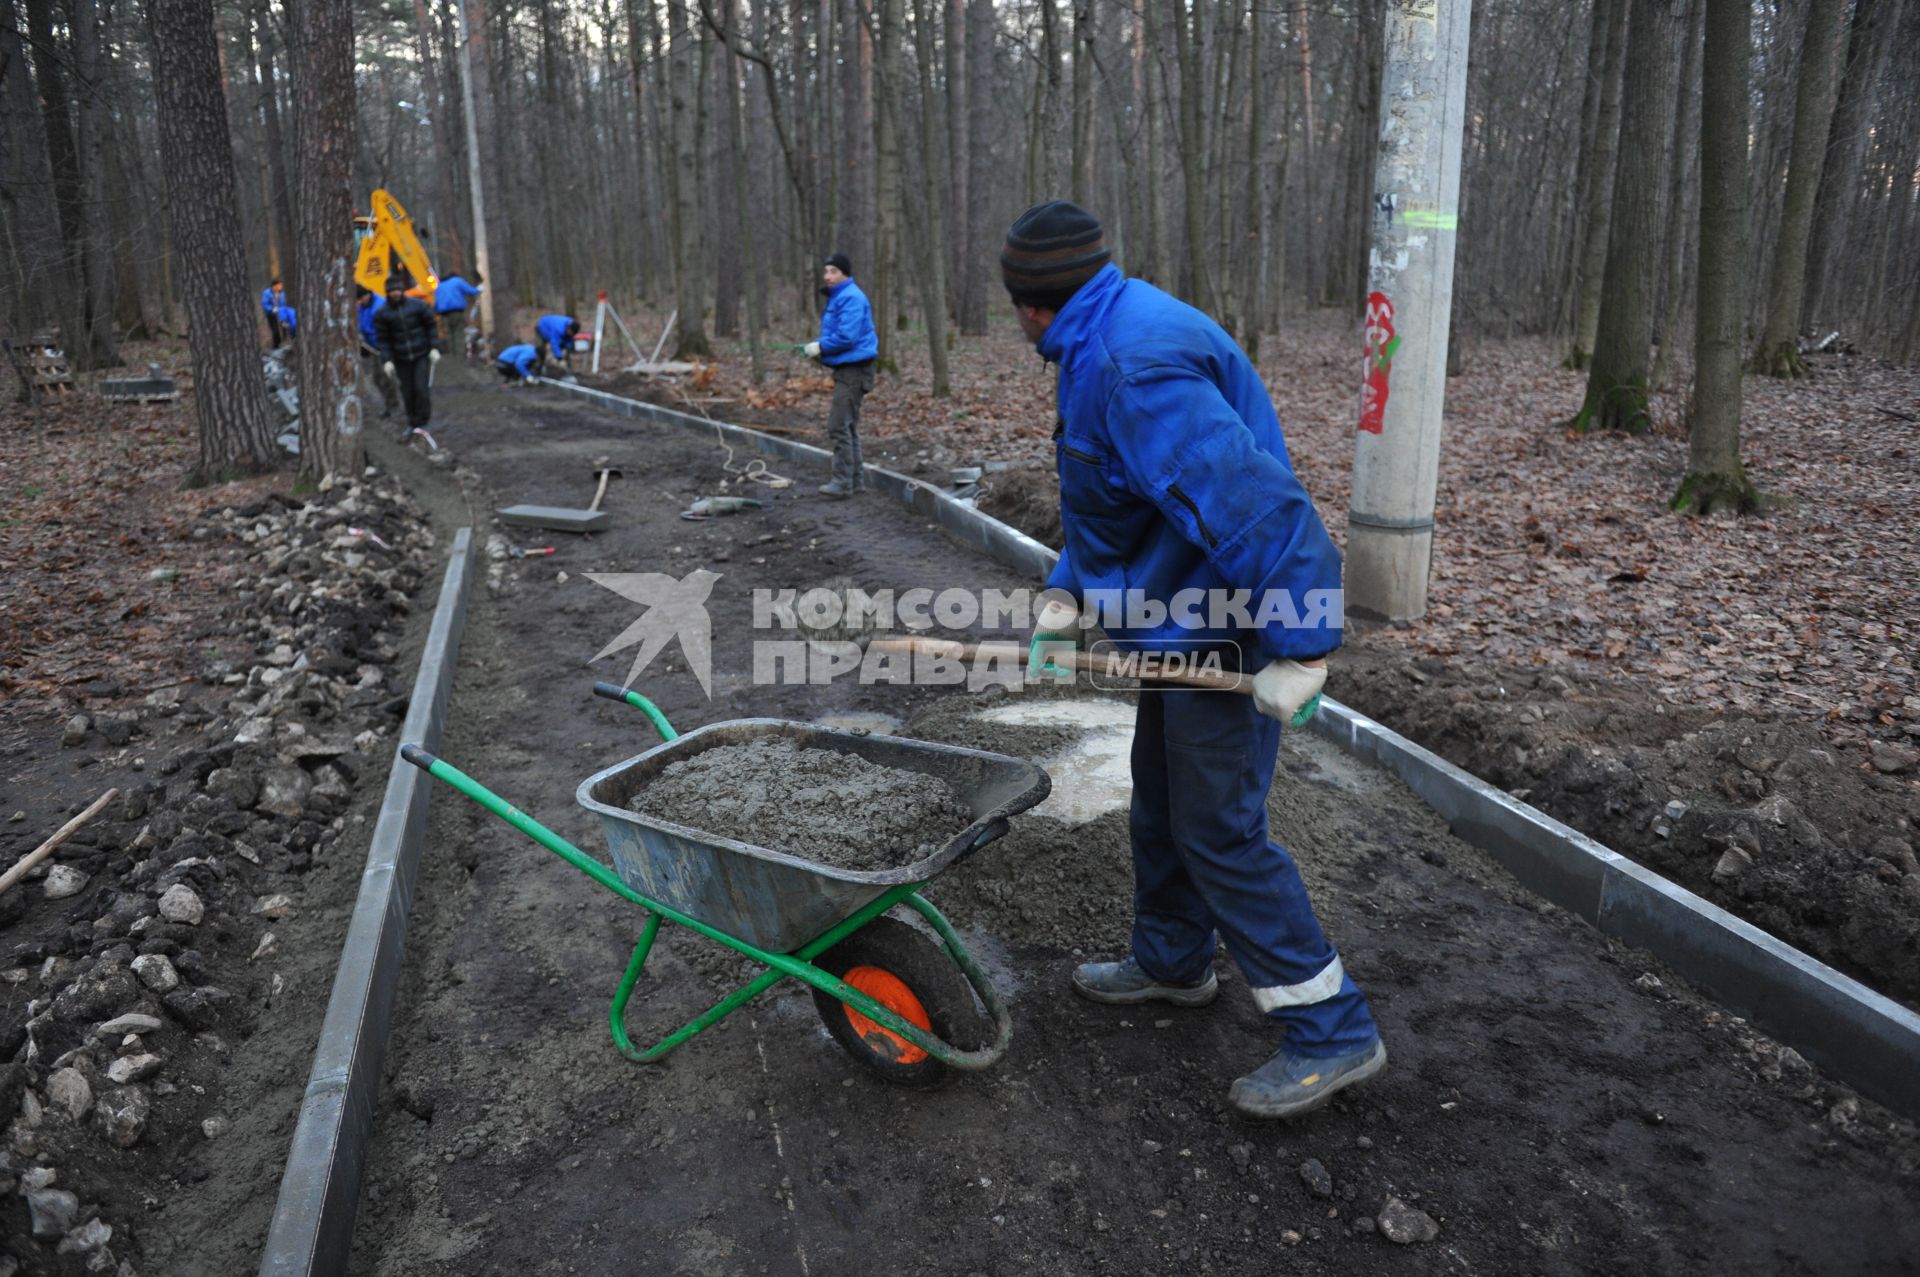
{"x":1557,"y":1103}
{"x":822,"y":805}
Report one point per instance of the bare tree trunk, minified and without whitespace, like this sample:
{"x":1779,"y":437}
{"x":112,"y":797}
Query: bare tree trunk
{"x":743,"y":230}
{"x":1680,"y":222}
{"x":493,"y":169}
{"x":1602,"y":160}
{"x":229,"y":392}
{"x":96,"y":234}
{"x":1779,"y":353}
{"x":330,"y":408}
{"x":1199,"y":287}
{"x":1575,"y":211}
{"x":934,"y":259}
{"x":1152,"y":162}
{"x":1083,"y":68}
{"x":1253,"y":268}
{"x":1873,"y":39}
{"x":858,"y":215}
{"x":1715,"y":478}
{"x":36,"y":260}
{"x":981,"y":272}
{"x":270,"y":119}
{"x":1315,"y":257}
{"x":962,"y":270}
{"x":447,"y":221}
{"x":692,"y":340}
{"x":886,"y":301}
{"x":63,"y":158}
{"x":1617,"y":385}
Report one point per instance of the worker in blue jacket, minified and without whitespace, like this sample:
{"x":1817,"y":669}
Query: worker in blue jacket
{"x":848,"y":346}
{"x":450,"y":302}
{"x":289,"y":321}
{"x":272,"y":298}
{"x":518,"y":363}
{"x":366,"y":306}
{"x":1176,"y":494}
{"x":557,"y":333}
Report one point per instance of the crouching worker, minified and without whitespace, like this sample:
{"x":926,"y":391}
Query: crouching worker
{"x":556,"y":333}
{"x":518,"y":365}
{"x":1174,"y":478}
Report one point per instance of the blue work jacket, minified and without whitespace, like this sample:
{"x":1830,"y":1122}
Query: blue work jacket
{"x":552,"y":329}
{"x":1174,"y":479}
{"x":453,"y":295}
{"x":846,"y":327}
{"x":520,"y":359}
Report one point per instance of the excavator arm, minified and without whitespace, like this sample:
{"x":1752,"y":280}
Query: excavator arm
{"x":386,"y":241}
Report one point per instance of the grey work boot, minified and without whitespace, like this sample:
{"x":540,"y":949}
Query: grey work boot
{"x":1123,"y":983}
{"x":835,"y":489}
{"x":1289,"y":1084}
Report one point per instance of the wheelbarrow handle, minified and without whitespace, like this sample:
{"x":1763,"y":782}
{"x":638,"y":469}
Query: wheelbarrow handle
{"x":418,"y":757}
{"x":614,"y":692}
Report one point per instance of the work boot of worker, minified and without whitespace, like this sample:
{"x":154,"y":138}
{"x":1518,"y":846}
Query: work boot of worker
{"x":1126,"y":982}
{"x":1290,"y":1084}
{"x":835,"y":489}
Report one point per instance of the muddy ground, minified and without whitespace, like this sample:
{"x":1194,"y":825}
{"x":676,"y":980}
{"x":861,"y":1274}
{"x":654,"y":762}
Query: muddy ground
{"x":1555,"y":1102}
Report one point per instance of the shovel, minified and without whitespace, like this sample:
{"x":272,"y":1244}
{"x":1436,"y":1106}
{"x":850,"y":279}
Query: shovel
{"x":603,"y":469}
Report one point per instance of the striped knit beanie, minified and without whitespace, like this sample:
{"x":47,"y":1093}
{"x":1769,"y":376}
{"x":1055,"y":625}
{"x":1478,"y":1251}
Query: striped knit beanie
{"x":1053,"y":248}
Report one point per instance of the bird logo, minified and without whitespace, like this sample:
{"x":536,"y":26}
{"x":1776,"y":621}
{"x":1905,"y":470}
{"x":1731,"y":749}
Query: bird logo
{"x":674,"y":609}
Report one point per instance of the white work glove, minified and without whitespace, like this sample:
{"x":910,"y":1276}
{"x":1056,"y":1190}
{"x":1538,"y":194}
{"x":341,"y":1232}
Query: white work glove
{"x":389,"y":367}
{"x":1289,"y":691}
{"x":1057,"y":624}
{"x":813,"y":349}
{"x":433,"y":356}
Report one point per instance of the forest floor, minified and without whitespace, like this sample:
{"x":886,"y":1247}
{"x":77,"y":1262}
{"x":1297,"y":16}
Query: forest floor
{"x":1732,"y":702}
{"x":1747,"y":685}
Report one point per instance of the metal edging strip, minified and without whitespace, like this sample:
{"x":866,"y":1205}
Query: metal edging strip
{"x":312,"y":1230}
{"x":1862,"y":1038}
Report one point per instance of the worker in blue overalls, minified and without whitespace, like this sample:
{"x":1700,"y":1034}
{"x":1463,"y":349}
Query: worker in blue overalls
{"x":1175,"y":483}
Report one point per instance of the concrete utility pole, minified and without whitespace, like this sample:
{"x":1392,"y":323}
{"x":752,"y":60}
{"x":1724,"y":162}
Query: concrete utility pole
{"x":473,"y":180}
{"x":1396,"y":458}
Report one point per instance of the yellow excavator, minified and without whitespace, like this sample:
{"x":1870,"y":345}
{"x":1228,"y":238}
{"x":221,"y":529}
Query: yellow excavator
{"x":386,"y":240}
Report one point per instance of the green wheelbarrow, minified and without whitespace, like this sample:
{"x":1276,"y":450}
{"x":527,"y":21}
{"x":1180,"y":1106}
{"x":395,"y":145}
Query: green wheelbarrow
{"x":899,"y":1003}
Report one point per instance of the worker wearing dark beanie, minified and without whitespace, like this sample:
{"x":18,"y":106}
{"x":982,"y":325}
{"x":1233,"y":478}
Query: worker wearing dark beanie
{"x":1174,"y":480}
{"x":1051,"y":250}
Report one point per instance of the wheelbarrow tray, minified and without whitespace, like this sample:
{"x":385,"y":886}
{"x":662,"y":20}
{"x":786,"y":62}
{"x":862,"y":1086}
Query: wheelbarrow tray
{"x":771,"y":899}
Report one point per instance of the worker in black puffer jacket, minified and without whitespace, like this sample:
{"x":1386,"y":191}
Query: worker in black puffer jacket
{"x":410,"y":337}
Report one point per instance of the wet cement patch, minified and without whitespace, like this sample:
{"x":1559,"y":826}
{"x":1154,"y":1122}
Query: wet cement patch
{"x":818,"y":804}
{"x":1093,"y":773}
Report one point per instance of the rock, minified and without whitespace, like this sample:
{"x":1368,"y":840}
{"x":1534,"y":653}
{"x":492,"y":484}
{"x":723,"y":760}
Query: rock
{"x":283,"y":792}
{"x":268,"y":946}
{"x":198,"y":1009}
{"x":116,"y":729}
{"x":1733,"y":862}
{"x":1892,"y":760}
{"x":133,"y":1068}
{"x":97,"y":994}
{"x":234,"y":784}
{"x":156,"y":972}
{"x":1316,"y":1178}
{"x":122,"y":1115}
{"x":63,"y":881}
{"x":1362,"y":1224}
{"x":75,"y":731}
{"x":131,"y":1022}
{"x":86,"y":1239}
{"x":1362,"y":1141}
{"x":69,"y":1093}
{"x":1241,"y":1154}
{"x":52,"y":1211}
{"x":274,"y":907}
{"x":1677,"y":808}
{"x":1404,"y":1225}
{"x":36,"y":1177}
{"x":181,"y":904}
{"x":214,"y":1127}
{"x":1288,"y":1237}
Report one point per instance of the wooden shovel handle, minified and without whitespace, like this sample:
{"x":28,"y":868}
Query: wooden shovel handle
{"x":40,"y":853}
{"x":1107,"y":664}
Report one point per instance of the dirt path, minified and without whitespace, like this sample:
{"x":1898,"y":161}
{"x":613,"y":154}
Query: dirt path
{"x":1553,"y":1107}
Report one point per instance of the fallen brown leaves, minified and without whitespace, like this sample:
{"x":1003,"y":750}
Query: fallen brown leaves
{"x":101,"y":580}
{"x":1556,"y":548}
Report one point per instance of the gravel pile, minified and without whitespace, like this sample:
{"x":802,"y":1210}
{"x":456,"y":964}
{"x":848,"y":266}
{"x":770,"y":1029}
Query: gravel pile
{"x":145,"y":944}
{"x":831,"y":808}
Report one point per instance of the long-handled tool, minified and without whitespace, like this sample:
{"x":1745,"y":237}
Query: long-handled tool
{"x":604,"y":469}
{"x":1106,"y":664}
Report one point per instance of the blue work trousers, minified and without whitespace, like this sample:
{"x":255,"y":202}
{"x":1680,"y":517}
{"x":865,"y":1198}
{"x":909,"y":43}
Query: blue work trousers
{"x":1203,"y":864}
